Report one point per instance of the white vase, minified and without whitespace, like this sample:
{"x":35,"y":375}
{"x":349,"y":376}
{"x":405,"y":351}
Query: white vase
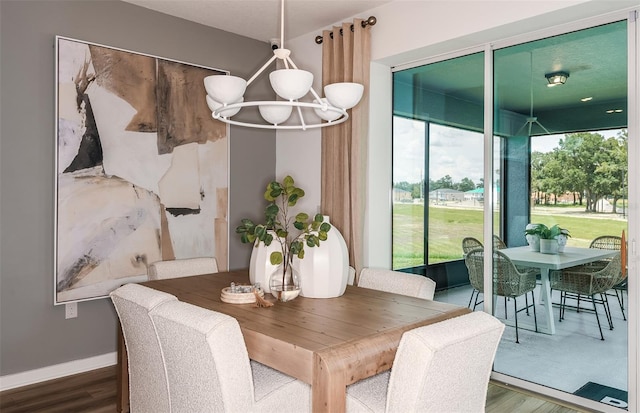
{"x":532,"y":239}
{"x":549,"y":246}
{"x":324,"y":271}
{"x":260,"y":267}
{"x":562,"y":241}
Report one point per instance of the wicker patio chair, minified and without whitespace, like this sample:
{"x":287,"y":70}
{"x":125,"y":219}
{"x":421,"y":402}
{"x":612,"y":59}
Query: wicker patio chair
{"x":498,"y":243}
{"x":469,"y":244}
{"x":587,"y":280}
{"x":508,"y":281}
{"x":614,"y":243}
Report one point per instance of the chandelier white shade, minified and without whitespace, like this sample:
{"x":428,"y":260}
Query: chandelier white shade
{"x":225,"y":96}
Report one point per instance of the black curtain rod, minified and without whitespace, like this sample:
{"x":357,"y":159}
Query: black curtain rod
{"x":371,"y":21}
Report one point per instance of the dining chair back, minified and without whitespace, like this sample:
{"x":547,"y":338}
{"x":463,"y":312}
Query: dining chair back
{"x":147,"y":376}
{"x":614,"y":243}
{"x":508,"y":281}
{"x":186,"y":267}
{"x":352,"y":276}
{"x":208,"y":368}
{"x":607,"y":242}
{"x":498,"y":243}
{"x":442,"y":367}
{"x":469,"y":244}
{"x":587,"y":280}
{"x":397,"y":282}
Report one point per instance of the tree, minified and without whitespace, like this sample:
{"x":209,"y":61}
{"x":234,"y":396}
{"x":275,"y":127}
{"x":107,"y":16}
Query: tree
{"x":584,"y":164}
{"x":552,"y":174}
{"x":444,"y":182}
{"x":404,"y":185}
{"x":620,"y":157}
{"x":465,"y":185}
{"x":537,"y":163}
{"x":593,"y":165}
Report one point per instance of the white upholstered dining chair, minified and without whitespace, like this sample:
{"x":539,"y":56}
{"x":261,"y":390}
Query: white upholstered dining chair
{"x":397,"y":282}
{"x":148,"y":390}
{"x":182,"y":268}
{"x":439,"y":368}
{"x":208,"y":368}
{"x":352,"y":276}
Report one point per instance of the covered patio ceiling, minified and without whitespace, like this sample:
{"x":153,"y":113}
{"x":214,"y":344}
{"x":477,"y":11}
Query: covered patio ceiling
{"x":595,"y":59}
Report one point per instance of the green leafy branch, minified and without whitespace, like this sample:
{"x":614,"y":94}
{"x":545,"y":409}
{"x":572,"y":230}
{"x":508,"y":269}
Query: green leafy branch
{"x":310,"y":232}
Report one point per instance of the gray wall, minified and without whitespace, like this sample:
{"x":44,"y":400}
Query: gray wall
{"x":34,"y":333}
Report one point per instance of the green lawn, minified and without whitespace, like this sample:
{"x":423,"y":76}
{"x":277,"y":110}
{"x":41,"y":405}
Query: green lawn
{"x":448,"y":226}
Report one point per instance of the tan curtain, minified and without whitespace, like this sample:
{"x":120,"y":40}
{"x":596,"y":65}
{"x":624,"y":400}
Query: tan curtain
{"x":345,"y":58}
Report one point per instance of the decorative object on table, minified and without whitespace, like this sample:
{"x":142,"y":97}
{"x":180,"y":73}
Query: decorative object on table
{"x":548,"y":237}
{"x":225,"y":94}
{"x":562,"y":238}
{"x":324,"y":272}
{"x":533,"y":239}
{"x":241,"y":294}
{"x":260,"y":267}
{"x":141,"y":168}
{"x":283,"y":282}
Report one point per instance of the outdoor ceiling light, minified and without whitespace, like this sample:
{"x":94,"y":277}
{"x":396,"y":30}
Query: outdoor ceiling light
{"x":225,"y":95}
{"x":556,"y":78}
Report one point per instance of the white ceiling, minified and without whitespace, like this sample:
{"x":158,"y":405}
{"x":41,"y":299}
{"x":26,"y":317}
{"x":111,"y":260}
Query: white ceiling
{"x":260,"y":19}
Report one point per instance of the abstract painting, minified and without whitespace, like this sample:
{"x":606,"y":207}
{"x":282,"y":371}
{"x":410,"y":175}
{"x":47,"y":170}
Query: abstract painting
{"x":141,"y":168}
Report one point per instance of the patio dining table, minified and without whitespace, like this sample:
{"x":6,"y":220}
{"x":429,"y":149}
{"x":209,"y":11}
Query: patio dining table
{"x":327,"y":343}
{"x":571,"y":257}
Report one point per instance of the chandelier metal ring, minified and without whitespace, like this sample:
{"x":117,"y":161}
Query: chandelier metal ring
{"x":218,"y":114}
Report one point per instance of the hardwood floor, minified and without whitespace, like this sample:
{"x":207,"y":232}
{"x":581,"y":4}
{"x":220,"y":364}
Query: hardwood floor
{"x":95,"y":392}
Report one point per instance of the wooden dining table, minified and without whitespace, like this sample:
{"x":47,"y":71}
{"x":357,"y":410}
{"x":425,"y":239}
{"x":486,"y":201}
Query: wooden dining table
{"x":327,"y":343}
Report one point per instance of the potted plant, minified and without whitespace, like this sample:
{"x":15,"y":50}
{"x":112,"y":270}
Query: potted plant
{"x":277,"y":227}
{"x":548,"y":236}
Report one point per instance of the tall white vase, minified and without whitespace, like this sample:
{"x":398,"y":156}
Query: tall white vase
{"x":260,"y":267}
{"x":324,"y":271}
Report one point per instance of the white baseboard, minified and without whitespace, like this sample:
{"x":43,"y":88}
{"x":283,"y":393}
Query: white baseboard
{"x":11,"y":381}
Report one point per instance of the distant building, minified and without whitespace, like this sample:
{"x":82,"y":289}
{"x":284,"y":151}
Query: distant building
{"x":474,"y":194}
{"x":446,"y":194}
{"x":401,"y":195}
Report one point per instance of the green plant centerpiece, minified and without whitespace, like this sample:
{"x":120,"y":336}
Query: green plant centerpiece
{"x":545,"y":232}
{"x":306,"y":231}
{"x":552,"y":239}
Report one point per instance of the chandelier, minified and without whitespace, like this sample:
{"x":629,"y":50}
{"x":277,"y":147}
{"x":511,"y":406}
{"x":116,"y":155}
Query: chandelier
{"x":225,"y":95}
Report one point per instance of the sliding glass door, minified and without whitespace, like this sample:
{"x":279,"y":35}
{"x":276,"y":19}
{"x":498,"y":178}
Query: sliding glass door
{"x":558,"y":159}
{"x":560,"y":111}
